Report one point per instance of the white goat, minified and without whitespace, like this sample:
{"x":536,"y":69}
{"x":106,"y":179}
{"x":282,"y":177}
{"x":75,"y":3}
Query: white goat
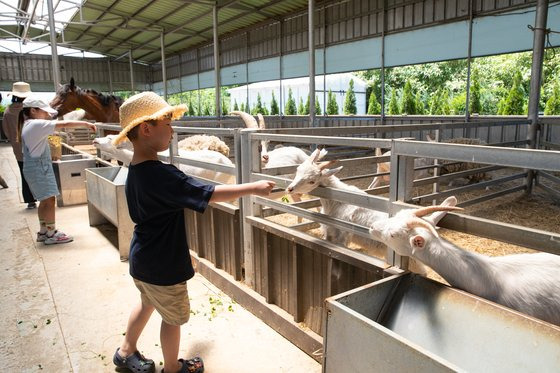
{"x":312,"y":174}
{"x":528,"y":283}
{"x":278,"y":157}
{"x":123,"y":153}
{"x":200,"y":142}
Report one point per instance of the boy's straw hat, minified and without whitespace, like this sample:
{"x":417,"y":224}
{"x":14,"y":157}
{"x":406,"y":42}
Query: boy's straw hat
{"x":143,"y":107}
{"x":21,"y":89}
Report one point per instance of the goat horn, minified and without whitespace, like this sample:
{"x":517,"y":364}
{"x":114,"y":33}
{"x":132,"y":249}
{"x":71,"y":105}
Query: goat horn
{"x":262,"y":125}
{"x":326,"y":164}
{"x":249,"y":120}
{"x":423,"y":211}
{"x":417,"y":222}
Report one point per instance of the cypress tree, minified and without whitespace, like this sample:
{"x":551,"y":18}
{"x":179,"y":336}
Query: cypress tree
{"x":350,"y":100}
{"x":274,"y":109}
{"x":332,"y":106}
{"x":373,"y":105}
{"x":408,"y":105}
{"x":513,"y":104}
{"x":306,"y":107}
{"x":552,"y":106}
{"x":235,"y":106}
{"x":419,"y":104}
{"x":393,"y":105}
{"x":317,"y":106}
{"x":301,"y":107}
{"x":191,"y":108}
{"x":475,"y":103}
{"x":258,"y":106}
{"x":290,"y":108}
{"x":242,"y":107}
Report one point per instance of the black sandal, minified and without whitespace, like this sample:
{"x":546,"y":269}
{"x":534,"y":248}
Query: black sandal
{"x":194,"y":365}
{"x":135,"y":363}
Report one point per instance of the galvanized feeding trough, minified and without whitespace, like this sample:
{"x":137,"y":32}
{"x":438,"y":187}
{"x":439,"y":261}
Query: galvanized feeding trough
{"x":107,"y":203}
{"x":70,"y":176}
{"x":407,"y":323}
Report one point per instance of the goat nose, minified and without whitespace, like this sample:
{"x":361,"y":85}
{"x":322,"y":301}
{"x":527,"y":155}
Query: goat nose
{"x":265,"y":157}
{"x":289,"y":189}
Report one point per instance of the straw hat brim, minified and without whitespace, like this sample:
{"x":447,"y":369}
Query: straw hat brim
{"x":20,"y":94}
{"x":176,"y":113}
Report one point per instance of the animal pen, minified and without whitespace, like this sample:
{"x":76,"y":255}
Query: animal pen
{"x":281,"y":271}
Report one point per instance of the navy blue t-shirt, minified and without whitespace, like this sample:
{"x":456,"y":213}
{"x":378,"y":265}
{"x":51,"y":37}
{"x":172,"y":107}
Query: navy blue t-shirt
{"x":156,"y":194}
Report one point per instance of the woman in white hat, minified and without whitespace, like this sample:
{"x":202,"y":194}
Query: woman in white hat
{"x":20,"y":90}
{"x":35,"y":124}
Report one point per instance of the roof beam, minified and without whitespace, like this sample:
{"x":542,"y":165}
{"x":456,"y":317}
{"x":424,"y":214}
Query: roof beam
{"x":97,"y":18}
{"x":210,"y":28}
{"x":156,"y":22}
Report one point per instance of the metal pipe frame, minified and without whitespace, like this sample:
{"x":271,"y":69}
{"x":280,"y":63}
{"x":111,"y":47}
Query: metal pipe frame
{"x":216,"y":61}
{"x":311,"y":41}
{"x":54,"y":52}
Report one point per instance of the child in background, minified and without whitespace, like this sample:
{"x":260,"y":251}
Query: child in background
{"x":35,"y":124}
{"x":20,"y":90}
{"x":159,"y":260}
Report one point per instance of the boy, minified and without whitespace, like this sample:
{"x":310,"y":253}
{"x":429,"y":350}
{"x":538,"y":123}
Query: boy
{"x":159,"y":259}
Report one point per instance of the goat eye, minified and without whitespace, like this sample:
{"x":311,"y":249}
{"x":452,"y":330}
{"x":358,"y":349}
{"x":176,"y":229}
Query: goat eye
{"x":392,"y":235}
{"x":312,"y":182}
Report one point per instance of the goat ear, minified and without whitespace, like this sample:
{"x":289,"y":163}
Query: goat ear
{"x":313,"y":157}
{"x":330,"y":171}
{"x":417,"y":242}
{"x":322,"y":154}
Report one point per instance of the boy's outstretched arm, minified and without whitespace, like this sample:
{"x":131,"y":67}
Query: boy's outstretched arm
{"x":223,"y":193}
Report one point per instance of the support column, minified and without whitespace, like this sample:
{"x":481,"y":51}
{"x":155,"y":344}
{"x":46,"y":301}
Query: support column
{"x":110,"y":76}
{"x":539,"y":31}
{"x":216,"y":61}
{"x":469,"y":58}
{"x":384,"y":18}
{"x":131,"y":67}
{"x":311,"y":21}
{"x":54,"y":52}
{"x":163,"y":67}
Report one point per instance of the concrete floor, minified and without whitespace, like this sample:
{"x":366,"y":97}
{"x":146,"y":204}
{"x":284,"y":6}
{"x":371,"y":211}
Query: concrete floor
{"x":64,"y":308}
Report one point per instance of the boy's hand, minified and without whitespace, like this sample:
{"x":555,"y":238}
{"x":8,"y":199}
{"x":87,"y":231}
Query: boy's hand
{"x":91,"y":126}
{"x":263,"y":187}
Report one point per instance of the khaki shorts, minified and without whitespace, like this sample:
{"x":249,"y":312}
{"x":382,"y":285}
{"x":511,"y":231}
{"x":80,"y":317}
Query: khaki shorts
{"x":171,"y":302}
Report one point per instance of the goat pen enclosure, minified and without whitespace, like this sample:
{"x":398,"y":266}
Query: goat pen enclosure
{"x":283,"y":273}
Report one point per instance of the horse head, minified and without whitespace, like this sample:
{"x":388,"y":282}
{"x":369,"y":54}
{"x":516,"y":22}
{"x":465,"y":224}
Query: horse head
{"x":100,"y":107}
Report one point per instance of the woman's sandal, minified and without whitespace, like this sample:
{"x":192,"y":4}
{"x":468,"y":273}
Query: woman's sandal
{"x":135,"y":363}
{"x":194,"y":365}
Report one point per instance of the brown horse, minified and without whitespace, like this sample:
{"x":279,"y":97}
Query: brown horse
{"x":99,"y":107}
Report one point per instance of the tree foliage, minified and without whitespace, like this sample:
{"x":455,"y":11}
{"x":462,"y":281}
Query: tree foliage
{"x":290,"y":108}
{"x":350,"y":100}
{"x":408,"y":101}
{"x":274,"y":109}
{"x":373,"y":105}
{"x":475,"y":103}
{"x":393,"y":104}
{"x":514,"y":102}
{"x":332,"y":106}
{"x":552,"y":106}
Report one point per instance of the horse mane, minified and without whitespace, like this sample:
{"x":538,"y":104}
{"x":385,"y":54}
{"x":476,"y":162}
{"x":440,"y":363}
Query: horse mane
{"x":104,"y":99}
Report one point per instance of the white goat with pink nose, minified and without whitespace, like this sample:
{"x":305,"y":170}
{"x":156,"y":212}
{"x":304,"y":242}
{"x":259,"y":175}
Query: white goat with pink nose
{"x":529,"y":283}
{"x":313,"y":173}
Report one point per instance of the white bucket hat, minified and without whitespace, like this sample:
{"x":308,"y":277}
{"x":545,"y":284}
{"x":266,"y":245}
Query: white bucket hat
{"x":33,"y":102}
{"x":143,"y":107}
{"x":21,"y":89}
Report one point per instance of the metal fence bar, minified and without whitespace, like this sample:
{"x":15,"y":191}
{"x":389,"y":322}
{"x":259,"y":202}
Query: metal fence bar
{"x":509,"y":157}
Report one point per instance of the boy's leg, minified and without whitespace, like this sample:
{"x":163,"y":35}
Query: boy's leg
{"x":170,"y":337}
{"x":136,"y":322}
